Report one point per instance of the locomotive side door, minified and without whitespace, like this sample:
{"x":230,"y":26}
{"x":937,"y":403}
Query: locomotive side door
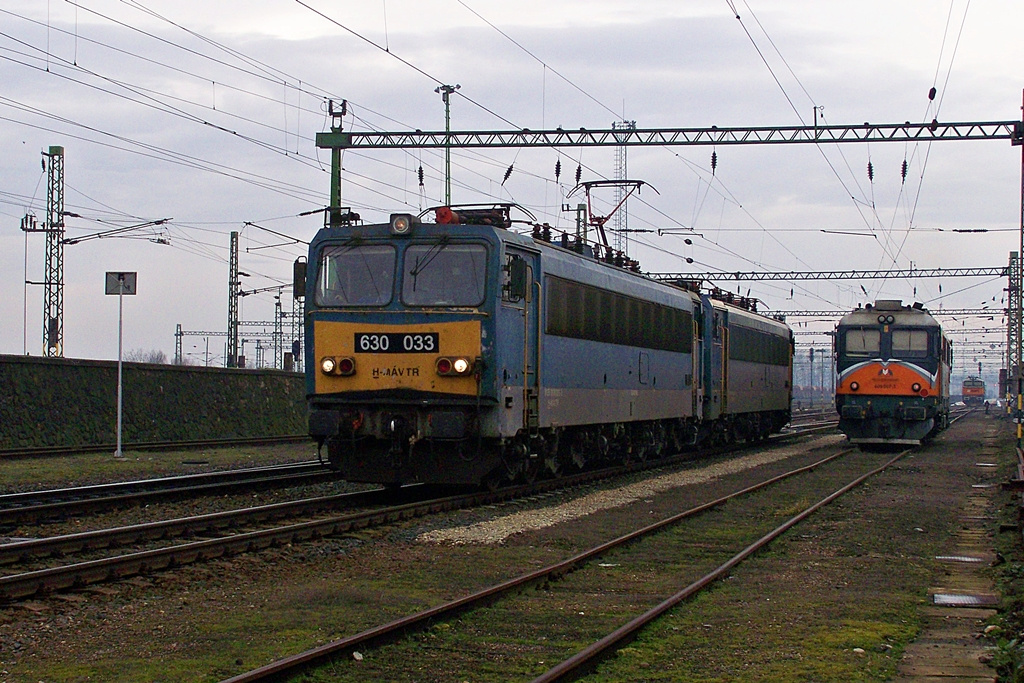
{"x":521,"y":297}
{"x":714,"y":358}
{"x":697,"y":376}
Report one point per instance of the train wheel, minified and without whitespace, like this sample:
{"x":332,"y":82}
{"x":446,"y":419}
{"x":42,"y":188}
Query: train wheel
{"x":531,"y":470}
{"x":578,"y":453}
{"x":513,"y":466}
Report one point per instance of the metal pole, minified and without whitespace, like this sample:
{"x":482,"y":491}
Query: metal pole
{"x":1020,"y":303}
{"x":446,"y":94}
{"x":120,"y":319}
{"x":24,"y":302}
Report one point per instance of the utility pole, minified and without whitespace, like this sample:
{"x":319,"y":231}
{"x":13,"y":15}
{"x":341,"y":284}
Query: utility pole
{"x":337,"y":120}
{"x":28,"y":224}
{"x":53,"y":293}
{"x":446,"y":95}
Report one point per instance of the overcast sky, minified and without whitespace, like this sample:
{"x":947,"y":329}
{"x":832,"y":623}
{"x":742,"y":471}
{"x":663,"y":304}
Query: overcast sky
{"x":208,"y":117}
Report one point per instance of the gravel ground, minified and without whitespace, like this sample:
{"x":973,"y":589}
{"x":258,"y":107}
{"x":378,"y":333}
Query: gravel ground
{"x":499,"y":529}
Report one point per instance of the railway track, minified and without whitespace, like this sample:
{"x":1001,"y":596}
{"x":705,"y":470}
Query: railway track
{"x":370,"y":639}
{"x":29,"y":583}
{"x":34,"y":506}
{"x":53,"y":451}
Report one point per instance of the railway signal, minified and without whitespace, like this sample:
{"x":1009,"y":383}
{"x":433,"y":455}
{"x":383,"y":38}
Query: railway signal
{"x":120,"y":283}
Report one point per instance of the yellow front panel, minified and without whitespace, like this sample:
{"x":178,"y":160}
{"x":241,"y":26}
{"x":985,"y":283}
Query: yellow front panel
{"x":382,"y":371}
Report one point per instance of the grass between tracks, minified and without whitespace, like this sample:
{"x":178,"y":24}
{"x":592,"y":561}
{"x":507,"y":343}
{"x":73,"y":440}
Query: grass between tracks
{"x":22,"y":474}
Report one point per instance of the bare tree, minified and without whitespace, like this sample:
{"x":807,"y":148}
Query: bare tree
{"x":143,"y":356}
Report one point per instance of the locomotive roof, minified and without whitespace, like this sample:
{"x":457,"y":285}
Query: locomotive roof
{"x":902,"y":314}
{"x":359,"y":230}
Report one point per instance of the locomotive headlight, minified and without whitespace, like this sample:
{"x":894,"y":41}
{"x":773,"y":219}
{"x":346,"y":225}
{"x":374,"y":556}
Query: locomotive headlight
{"x":401,"y":223}
{"x":854,"y":386}
{"x":338,"y":366}
{"x":451,"y":367}
{"x":915,"y":387}
{"x":881,"y":319}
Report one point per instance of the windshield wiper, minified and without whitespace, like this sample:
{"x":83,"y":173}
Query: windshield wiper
{"x":423,"y":261}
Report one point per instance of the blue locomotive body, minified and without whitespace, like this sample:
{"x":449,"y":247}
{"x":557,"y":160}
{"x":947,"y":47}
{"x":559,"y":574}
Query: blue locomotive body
{"x":464,"y":352}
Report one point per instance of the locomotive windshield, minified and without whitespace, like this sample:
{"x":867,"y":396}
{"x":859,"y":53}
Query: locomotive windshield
{"x":444,"y":274}
{"x":362,"y":275}
{"x":909,"y":343}
{"x":863,"y":342}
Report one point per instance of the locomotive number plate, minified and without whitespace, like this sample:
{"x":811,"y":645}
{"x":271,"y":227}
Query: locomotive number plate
{"x":397,"y":342}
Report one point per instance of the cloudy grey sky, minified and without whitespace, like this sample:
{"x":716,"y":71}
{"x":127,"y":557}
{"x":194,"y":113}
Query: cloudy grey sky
{"x":206,"y":114}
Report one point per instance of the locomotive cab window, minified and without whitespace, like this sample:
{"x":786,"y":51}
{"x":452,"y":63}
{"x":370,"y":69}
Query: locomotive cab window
{"x":909,"y":343}
{"x":863,"y":342}
{"x":362,"y":275}
{"x":444,"y":274}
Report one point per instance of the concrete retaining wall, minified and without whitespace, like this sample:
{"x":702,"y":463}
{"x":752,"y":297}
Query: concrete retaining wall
{"x":58,"y":402}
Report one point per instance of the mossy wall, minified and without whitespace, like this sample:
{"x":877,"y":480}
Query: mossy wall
{"x":67,"y":402}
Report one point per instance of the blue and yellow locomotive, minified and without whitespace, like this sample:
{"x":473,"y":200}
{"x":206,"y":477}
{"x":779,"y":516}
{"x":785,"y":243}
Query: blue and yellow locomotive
{"x":893,"y":365}
{"x":461,"y":351}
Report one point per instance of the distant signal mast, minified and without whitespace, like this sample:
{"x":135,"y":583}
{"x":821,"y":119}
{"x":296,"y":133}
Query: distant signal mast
{"x":620,"y":219}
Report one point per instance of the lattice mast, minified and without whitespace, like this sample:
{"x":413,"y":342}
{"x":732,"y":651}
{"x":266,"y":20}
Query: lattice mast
{"x":53,"y":282}
{"x":233,"y":287}
{"x":620,"y":219}
{"x":1015,"y":312}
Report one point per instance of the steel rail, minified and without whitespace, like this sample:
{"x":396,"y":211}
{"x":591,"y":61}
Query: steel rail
{"x":388,"y":632}
{"x":589,"y":656}
{"x":47,"y":451}
{"x":94,"y":571}
{"x":26,"y":507}
{"x":152,"y":483}
{"x":83,"y":573}
{"x":68,"y":544}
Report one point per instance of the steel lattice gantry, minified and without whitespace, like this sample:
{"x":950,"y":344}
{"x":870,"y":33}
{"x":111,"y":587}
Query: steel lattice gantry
{"x":952,"y":312}
{"x":749,"y":276}
{"x":612,"y":137}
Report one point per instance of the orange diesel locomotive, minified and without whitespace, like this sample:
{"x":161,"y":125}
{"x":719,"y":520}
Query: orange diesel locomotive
{"x":893,"y":366}
{"x":973,"y":391}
